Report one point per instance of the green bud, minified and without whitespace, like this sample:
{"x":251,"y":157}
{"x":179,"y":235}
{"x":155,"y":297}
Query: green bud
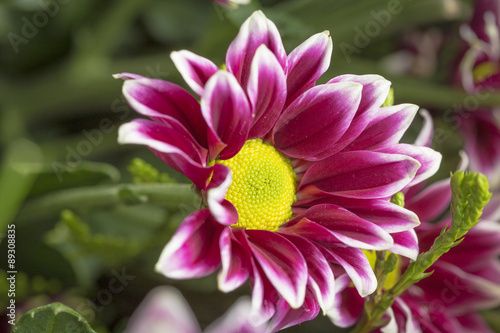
{"x":390,"y":263}
{"x":470,"y":193}
{"x":143,"y":172}
{"x":398,"y":199}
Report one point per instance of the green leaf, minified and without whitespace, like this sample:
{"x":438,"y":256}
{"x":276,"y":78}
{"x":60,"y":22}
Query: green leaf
{"x":22,"y":161}
{"x":52,"y":318}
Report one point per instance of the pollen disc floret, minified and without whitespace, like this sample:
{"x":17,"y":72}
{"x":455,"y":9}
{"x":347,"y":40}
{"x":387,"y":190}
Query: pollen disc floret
{"x":263,"y":187}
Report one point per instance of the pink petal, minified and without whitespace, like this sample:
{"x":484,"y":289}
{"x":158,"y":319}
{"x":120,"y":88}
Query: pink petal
{"x":195,"y":70}
{"x":192,"y":251}
{"x":287,"y":316}
{"x":459,"y":291}
{"x":282,"y":263}
{"x":360,"y":174}
{"x":235,"y":263}
{"x":345,"y":226}
{"x":160,"y":99}
{"x":264,"y":295}
{"x":432,"y":201}
{"x":482,"y":143}
{"x":375,"y":90}
{"x":348,"y":306}
{"x":474,"y":322}
{"x":222,"y":210}
{"x":385,"y":214}
{"x":429,"y":159}
{"x":255,"y":31}
{"x":405,"y":244}
{"x":386,"y":128}
{"x":356,"y":265}
{"x":172,"y":144}
{"x":225,"y":108}
{"x":320,"y":280}
{"x":312,"y":124}
{"x":163,"y":310}
{"x":425,"y":136}
{"x":266,"y":91}
{"x":236,"y":320}
{"x":307,"y":63}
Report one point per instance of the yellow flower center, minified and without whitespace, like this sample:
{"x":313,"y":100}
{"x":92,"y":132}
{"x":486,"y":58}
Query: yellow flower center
{"x":263,"y":187}
{"x":484,"y":70}
{"x":393,"y":276}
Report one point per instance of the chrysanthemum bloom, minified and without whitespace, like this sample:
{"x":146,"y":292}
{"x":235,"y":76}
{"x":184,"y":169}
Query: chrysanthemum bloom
{"x":295,"y":177}
{"x":464,"y":281}
{"x":165,"y":310}
{"x":479,"y":74}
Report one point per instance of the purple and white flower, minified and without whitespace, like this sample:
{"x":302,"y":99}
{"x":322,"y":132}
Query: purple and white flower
{"x":295,"y":177}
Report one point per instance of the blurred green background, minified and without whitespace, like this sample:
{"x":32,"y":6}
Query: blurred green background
{"x":62,"y":171}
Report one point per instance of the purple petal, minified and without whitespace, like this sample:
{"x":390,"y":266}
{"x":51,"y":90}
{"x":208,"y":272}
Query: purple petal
{"x":172,"y":144}
{"x":312,"y":124}
{"x":460,"y":291}
{"x":225,"y":108}
{"x":386,"y":128}
{"x":385,"y":214}
{"x":356,"y":265}
{"x":480,"y":9}
{"x":159,"y":99}
{"x":235,"y":263}
{"x":264,"y":295}
{"x":482,"y":143}
{"x":236,"y":320}
{"x":360,"y":174}
{"x":425,"y":136}
{"x":287,"y":316}
{"x":431,"y":202}
{"x":320,"y":280}
{"x":375,"y":90}
{"x":192,"y":251}
{"x":348,"y":306}
{"x":222,"y":210}
{"x":266,"y":91}
{"x":282,"y":263}
{"x":474,"y":322}
{"x":195,"y":70}
{"x":255,"y":31}
{"x":405,"y":244}
{"x":307,"y":63}
{"x":429,"y":159}
{"x":163,"y":310}
{"x":345,"y":226}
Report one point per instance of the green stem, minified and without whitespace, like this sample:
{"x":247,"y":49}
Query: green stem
{"x":83,"y":198}
{"x":469,"y":196}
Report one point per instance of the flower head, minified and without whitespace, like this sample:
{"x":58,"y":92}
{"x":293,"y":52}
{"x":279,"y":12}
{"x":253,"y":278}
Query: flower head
{"x":295,"y":176}
{"x":480,"y":74}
